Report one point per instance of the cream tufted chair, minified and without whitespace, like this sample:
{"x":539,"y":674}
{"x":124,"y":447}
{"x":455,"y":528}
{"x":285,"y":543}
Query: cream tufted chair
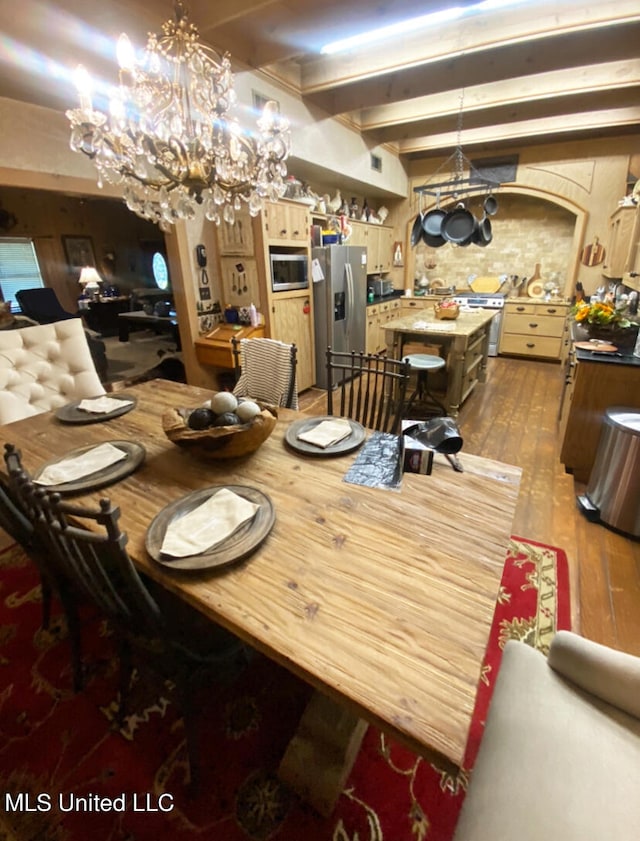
{"x":44,"y":367}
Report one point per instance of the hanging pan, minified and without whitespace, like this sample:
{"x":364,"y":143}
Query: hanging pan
{"x":490,"y":205}
{"x":458,"y":225}
{"x":416,"y":231}
{"x":433,"y":241}
{"x":433,"y":219}
{"x":483,"y":234}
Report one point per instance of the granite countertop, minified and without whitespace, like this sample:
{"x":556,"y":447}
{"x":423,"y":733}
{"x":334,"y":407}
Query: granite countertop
{"x":425,"y":322}
{"x":604,"y":358}
{"x":619,"y":357}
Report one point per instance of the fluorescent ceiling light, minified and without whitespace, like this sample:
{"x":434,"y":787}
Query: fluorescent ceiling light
{"x":413,"y":24}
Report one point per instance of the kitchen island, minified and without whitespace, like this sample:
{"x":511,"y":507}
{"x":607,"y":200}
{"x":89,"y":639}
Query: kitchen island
{"x":594,"y":382}
{"x":463,"y":343}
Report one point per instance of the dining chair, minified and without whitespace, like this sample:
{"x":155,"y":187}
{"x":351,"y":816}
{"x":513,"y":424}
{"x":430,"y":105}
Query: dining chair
{"x":150,"y":625}
{"x":42,"y":367}
{"x":16,"y":521}
{"x":370,"y":388}
{"x":265,"y":369}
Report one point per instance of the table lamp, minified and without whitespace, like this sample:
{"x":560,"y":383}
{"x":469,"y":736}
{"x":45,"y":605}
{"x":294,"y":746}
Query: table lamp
{"x":90,"y":281}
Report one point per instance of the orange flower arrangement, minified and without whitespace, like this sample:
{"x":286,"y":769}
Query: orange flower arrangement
{"x":599,"y":314}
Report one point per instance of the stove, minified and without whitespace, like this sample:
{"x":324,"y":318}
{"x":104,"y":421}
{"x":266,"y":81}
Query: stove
{"x":494,"y":301}
{"x":487,"y":302}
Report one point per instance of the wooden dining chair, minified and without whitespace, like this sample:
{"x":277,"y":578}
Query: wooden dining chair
{"x":16,"y":519}
{"x":265,"y":369}
{"x":151,"y":626}
{"x":369,"y":388}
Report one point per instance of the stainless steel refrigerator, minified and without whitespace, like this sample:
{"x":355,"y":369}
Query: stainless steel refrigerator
{"x":339,"y":276}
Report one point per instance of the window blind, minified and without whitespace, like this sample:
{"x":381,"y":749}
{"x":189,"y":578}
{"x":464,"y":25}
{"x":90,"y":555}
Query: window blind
{"x":19,"y":268}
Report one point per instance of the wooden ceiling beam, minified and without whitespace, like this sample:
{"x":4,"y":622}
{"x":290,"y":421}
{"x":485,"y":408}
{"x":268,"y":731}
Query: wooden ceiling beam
{"x":607,"y":121}
{"x":568,"y":90}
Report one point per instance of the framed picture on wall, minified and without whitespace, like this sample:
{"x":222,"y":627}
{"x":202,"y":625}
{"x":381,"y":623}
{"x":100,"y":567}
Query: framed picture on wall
{"x":79,"y":252}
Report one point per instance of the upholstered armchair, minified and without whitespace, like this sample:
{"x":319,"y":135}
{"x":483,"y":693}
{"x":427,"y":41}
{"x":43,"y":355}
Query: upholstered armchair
{"x":43,"y":367}
{"x":560,"y":755}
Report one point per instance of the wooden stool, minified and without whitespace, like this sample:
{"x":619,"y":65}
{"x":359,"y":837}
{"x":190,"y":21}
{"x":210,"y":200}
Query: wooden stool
{"x":423,"y":363}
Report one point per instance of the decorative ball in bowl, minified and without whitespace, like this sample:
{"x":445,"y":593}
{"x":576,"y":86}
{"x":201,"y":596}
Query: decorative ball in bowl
{"x":446,"y":309}
{"x":224,"y":427}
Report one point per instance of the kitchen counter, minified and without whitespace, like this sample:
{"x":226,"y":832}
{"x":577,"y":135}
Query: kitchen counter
{"x":594,"y":382}
{"x":623,"y":357}
{"x":463,"y":342}
{"x":381,"y":299}
{"x":608,"y":358}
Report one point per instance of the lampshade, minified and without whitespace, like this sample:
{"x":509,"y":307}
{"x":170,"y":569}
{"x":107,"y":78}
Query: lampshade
{"x":89,"y":276}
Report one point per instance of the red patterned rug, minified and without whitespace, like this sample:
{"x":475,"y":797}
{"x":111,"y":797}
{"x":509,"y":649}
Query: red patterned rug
{"x":61,"y":755}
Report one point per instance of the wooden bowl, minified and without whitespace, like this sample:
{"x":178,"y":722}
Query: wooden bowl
{"x":220,"y":442}
{"x":444,"y":313}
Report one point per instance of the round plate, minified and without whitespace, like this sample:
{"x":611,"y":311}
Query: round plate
{"x":70,"y":413}
{"x":101,"y":478}
{"x":535,"y":289}
{"x":237,"y":546}
{"x":596,"y":345}
{"x":347,"y":445}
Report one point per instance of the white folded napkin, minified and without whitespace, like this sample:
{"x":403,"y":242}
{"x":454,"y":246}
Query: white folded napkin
{"x":207,"y":525}
{"x":101,"y":405}
{"x":70,"y":469}
{"x":326,"y":433}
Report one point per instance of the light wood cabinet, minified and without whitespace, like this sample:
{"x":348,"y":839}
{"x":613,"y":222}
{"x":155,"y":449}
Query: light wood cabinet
{"x":378,"y":240}
{"x":245,"y":273}
{"x":377,"y":317}
{"x":372,"y":336}
{"x":292,"y":321}
{"x":624,"y":238}
{"x":287,"y":222}
{"x":533,"y":329}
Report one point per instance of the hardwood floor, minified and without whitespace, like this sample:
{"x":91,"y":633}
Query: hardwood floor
{"x":513,"y":418}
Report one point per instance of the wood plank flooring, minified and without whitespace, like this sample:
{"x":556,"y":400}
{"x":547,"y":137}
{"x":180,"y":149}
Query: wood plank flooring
{"x":513,"y":417}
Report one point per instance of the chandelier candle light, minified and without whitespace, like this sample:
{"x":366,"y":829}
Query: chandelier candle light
{"x":169,"y":139}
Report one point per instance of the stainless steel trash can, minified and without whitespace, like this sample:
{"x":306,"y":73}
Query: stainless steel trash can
{"x":614,"y":485}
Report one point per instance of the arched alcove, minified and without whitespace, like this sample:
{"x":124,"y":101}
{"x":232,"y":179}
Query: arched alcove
{"x":531,"y":227}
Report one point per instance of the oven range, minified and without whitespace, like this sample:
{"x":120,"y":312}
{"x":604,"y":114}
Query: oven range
{"x":487,"y":302}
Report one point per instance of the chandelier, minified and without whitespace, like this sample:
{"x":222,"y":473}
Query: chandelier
{"x":170,"y":141}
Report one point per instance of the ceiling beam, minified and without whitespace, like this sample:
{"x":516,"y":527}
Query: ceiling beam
{"x":609,"y":121}
{"x":612,"y":84}
{"x":486,"y":53}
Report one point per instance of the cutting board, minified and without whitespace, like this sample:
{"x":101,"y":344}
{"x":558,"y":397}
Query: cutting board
{"x":486,"y":285}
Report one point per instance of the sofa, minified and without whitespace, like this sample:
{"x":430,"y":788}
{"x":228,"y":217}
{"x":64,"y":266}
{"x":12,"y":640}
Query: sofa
{"x":560,"y":756}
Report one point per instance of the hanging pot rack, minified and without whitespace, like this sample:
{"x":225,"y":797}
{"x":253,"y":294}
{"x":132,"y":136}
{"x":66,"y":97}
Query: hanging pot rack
{"x":458,"y":186}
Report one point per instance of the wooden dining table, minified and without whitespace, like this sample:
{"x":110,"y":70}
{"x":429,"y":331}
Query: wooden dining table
{"x":380,"y":599}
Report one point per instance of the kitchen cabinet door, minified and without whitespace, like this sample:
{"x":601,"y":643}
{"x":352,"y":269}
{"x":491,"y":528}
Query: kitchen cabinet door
{"x":624,"y":232}
{"x":292,"y":321}
{"x":373,"y":329}
{"x":385,"y":248}
{"x":287,"y":222}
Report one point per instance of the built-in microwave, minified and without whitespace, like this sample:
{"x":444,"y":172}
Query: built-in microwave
{"x":289,"y":271}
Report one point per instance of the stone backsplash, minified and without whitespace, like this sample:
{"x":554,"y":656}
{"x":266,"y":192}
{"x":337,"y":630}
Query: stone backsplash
{"x":526,"y":231}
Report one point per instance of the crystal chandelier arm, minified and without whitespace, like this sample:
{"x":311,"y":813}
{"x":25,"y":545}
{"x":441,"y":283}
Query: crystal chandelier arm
{"x":171,"y":143}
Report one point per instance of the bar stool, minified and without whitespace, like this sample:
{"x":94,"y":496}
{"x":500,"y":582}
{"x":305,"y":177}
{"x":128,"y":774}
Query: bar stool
{"x":423,"y":364}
